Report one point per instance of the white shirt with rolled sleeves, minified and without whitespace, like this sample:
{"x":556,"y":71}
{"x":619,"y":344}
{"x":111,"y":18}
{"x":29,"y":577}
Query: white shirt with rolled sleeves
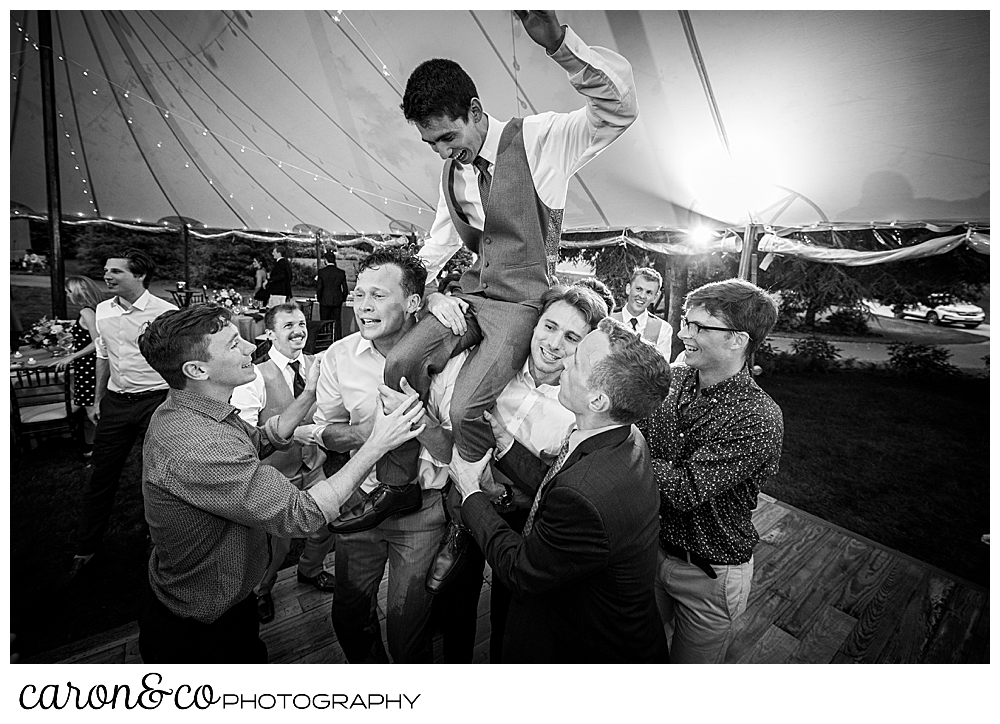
{"x":118,"y":331}
{"x":352,"y":369}
{"x":557,"y":144}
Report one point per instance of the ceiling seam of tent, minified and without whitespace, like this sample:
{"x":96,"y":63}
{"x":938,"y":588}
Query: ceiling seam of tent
{"x":100,"y":59}
{"x":126,"y":49}
{"x":333,"y":121}
{"x":280,"y":164}
{"x":196,"y":115}
{"x":89,"y":179}
{"x":385,"y":69}
{"x":22,"y":27}
{"x":578,"y":176}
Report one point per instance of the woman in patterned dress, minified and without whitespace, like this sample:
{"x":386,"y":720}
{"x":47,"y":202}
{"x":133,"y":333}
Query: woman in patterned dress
{"x":87,"y":295}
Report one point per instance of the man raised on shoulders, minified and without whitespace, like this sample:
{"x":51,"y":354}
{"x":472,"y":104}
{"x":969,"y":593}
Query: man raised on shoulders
{"x":210,"y":502}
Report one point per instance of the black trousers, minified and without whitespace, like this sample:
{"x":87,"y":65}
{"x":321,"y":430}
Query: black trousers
{"x":124,"y":419}
{"x":233,"y":638}
{"x":500,"y":595}
{"x":334,"y":313}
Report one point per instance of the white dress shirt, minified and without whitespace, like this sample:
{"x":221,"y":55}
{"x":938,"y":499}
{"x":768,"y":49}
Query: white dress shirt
{"x":119,"y":326}
{"x":348,"y":387}
{"x":663,"y":339}
{"x":557,"y":144}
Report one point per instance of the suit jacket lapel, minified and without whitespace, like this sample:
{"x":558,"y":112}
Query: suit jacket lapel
{"x":605,"y":439}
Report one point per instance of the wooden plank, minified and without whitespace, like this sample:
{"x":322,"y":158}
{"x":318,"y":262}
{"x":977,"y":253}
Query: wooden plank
{"x":104,"y":655}
{"x":867,"y":583}
{"x":85,"y":647}
{"x":955,"y":633}
{"x":132,"y":655}
{"x":331,"y":653}
{"x":821,"y":641}
{"x":878,"y":620}
{"x":754,"y":623}
{"x":916,"y":622}
{"x":767,"y":515}
{"x":793,"y":552}
{"x":774,"y":647}
{"x":839,"y":570}
{"x":291,"y":639}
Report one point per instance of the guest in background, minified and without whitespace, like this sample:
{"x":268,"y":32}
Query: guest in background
{"x":84,"y":293}
{"x":643,"y":290}
{"x":332,"y":292}
{"x":279,"y":286}
{"x":128,"y":390}
{"x":260,"y":280}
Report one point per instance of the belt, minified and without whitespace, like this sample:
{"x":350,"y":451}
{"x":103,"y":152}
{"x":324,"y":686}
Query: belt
{"x":131,"y":396}
{"x":693,"y":558}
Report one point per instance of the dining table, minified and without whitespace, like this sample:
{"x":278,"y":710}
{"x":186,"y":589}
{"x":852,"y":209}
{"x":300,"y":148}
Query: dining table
{"x":250,"y":324}
{"x":27,"y":358}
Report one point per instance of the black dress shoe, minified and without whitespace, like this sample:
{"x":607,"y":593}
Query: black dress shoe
{"x":265,"y":607}
{"x":323,"y":581}
{"x":80,"y":569}
{"x":377,"y":506}
{"x":450,"y":558}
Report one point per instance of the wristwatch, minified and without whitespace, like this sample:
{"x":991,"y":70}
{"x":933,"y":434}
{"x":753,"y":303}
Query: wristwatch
{"x":506,"y":498}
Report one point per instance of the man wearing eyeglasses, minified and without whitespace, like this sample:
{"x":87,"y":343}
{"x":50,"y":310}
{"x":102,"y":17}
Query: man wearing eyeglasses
{"x":714,"y":441}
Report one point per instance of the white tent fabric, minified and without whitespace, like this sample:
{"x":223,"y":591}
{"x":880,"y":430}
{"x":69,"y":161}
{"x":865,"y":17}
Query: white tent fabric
{"x":266,"y":120}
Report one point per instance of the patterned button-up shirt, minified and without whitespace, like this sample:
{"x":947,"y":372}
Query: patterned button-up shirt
{"x":711,"y":452}
{"x":210,"y":504}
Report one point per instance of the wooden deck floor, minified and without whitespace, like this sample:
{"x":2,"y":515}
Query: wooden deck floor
{"x":820,"y":595}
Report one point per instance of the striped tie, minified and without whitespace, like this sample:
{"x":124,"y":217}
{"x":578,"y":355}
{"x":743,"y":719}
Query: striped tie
{"x":483,"y":166}
{"x":563,"y":454}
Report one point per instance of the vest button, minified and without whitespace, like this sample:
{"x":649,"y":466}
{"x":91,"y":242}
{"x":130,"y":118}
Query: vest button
{"x":489,"y":240}
{"x":486,"y":264}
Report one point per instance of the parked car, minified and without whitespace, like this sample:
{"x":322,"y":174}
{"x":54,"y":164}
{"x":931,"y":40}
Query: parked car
{"x":945,"y":311}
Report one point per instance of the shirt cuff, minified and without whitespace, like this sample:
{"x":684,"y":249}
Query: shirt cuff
{"x":568,"y":54}
{"x":327,"y":498}
{"x":270,"y":429}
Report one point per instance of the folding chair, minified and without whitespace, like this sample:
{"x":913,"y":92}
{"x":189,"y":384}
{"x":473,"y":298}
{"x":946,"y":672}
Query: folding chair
{"x":41,"y":405}
{"x":320,"y":336}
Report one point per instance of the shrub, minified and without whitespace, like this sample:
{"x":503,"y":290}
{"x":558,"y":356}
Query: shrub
{"x":849,"y":321}
{"x":818,"y":354}
{"x":921,"y":359}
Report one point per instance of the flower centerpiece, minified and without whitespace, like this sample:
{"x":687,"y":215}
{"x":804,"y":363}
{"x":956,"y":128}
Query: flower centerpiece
{"x":228,"y":298}
{"x":54,"y":335}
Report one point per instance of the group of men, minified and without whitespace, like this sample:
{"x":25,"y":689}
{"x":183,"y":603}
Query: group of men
{"x":514,"y":421}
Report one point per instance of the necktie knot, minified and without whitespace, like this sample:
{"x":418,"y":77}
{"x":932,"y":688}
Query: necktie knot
{"x":298,"y":383}
{"x":635,"y":324}
{"x":485,"y":179}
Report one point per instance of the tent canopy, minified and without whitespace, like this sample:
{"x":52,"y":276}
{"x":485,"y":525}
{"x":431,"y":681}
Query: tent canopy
{"x":266,"y":120}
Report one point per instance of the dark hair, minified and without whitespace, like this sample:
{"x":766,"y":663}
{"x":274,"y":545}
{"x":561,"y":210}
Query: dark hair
{"x":330,"y":255}
{"x":436,"y":88}
{"x":582,"y":299}
{"x":601,"y":288}
{"x":740,"y":304}
{"x":260,"y":260}
{"x":634,"y":375}
{"x":649,"y":273}
{"x":413,"y":270}
{"x":139,"y":263}
{"x":181,"y":335}
{"x":272,"y":312}
{"x":281,"y":249}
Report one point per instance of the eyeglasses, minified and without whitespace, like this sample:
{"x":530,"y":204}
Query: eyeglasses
{"x":699,"y":327}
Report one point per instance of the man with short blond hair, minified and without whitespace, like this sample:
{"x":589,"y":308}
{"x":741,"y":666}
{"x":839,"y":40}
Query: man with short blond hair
{"x":642,"y":292}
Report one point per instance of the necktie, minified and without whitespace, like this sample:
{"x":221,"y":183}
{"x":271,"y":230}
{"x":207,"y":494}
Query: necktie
{"x":482,"y":165}
{"x":298,"y":384}
{"x":635,"y":324}
{"x":563,"y":454}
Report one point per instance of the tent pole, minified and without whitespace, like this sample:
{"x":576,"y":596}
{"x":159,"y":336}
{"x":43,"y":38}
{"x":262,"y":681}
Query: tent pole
{"x":748,"y":252}
{"x":187,"y":255}
{"x":57,"y":269}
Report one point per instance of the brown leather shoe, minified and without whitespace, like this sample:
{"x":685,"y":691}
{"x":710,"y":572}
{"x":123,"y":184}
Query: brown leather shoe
{"x":450,"y":558}
{"x":377,"y":506}
{"x":265,"y":607}
{"x":323,"y":581}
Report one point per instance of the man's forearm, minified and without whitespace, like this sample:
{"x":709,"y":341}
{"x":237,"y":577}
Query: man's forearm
{"x":102,"y":373}
{"x":295,"y":413}
{"x":343,"y":436}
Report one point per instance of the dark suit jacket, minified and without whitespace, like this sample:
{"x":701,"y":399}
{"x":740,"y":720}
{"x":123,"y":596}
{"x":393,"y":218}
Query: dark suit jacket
{"x":331,"y":287}
{"x":583,"y":578}
{"x":281,"y":278}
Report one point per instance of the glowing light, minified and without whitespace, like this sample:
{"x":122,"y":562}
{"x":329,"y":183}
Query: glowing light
{"x":701,"y":235}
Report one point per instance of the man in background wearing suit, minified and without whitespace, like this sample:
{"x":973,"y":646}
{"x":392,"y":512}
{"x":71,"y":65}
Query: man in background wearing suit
{"x":582,"y":571}
{"x":331,"y":292}
{"x":642,"y":291}
{"x":279,"y":285}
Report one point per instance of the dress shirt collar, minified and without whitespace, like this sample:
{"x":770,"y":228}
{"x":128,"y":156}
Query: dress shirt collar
{"x":730,"y":384}
{"x":209,"y":406}
{"x":640,"y":320}
{"x":492,"y":143}
{"x":279,"y":359}
{"x":366,"y":346}
{"x":139,"y":304}
{"x":543,"y":389}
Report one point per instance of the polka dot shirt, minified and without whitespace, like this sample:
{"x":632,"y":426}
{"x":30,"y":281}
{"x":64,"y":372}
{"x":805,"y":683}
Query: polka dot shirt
{"x":711,"y":451}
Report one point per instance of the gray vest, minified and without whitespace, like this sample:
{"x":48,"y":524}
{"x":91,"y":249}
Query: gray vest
{"x":518,"y":249}
{"x":652,"y":331}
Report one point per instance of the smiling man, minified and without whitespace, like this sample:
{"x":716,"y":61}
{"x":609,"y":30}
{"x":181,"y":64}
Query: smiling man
{"x":641,"y":292}
{"x":209,"y":500}
{"x":582,"y":569}
{"x":279,"y":380}
{"x":503,"y":191}
{"x":128,"y":391}
{"x":714,"y":441}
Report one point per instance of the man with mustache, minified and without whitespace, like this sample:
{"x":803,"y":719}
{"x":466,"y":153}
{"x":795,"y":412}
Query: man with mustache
{"x":279,"y":380}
